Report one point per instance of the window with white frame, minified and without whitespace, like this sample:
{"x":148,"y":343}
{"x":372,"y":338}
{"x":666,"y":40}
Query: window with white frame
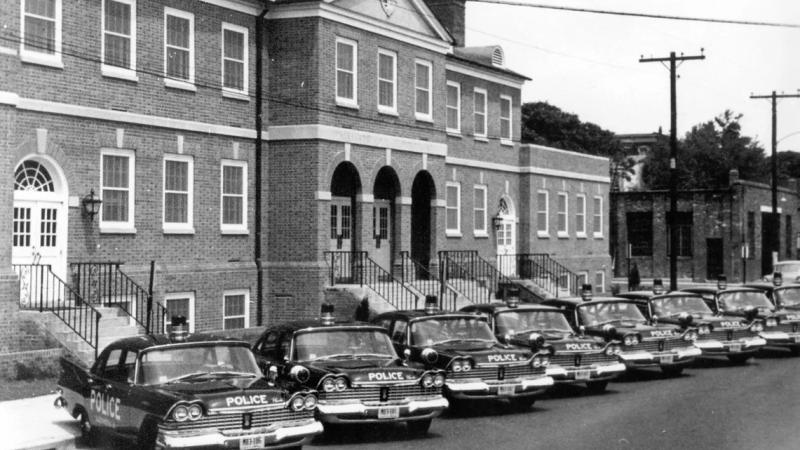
{"x":562,"y":224}
{"x":346,"y":72}
{"x":234,"y":59}
{"x":40,"y":30}
{"x":580,"y":215}
{"x":597,"y":217}
{"x":235,"y":309}
{"x":479,"y":112}
{"x":117,"y":189}
{"x":582,"y":278}
{"x":453,"y":208}
{"x":233,"y":204}
{"x":479,"y":210}
{"x":178,"y":193}
{"x":387,"y":81}
{"x":119,"y":39}
{"x":542,"y":213}
{"x":422,"y":90}
{"x":453,"y":107}
{"x":599,"y":282}
{"x":178,"y":47}
{"x":180,"y":304}
{"x":505,"y":119}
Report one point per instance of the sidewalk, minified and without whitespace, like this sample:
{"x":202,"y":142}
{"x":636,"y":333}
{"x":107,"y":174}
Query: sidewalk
{"x":34,"y":423}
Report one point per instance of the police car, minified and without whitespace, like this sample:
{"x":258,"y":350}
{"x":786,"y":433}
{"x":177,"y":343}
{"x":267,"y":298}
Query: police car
{"x":354,"y":367}
{"x":575,"y":358}
{"x":478,"y":366}
{"x":185,"y":391}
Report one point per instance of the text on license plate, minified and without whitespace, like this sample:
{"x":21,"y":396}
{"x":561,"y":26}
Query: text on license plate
{"x":251,"y":442}
{"x":388,"y":412}
{"x":666,"y":359}
{"x":506,"y":389}
{"x":583,"y":374}
{"x":735,"y":347}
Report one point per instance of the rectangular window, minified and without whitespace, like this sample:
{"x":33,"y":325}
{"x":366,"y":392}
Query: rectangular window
{"x":22,"y":227}
{"x":117,"y":190}
{"x":580,"y":215}
{"x":346,"y":72}
{"x":453,"y":207}
{"x":41,"y":32}
{"x":387,"y":81}
{"x":233,"y":206}
{"x":505,"y":119}
{"x":562,"y":227}
{"x":178,"y":193}
{"x":479,"y":210}
{"x":453,"y":107}
{"x":119,"y":39}
{"x":640,"y":232}
{"x":422,"y":90}
{"x":235,"y":309}
{"x":178,"y":47}
{"x":479,"y":101}
{"x":542,"y":214}
{"x":599,"y":282}
{"x":683,"y":222}
{"x":234,"y":59}
{"x":597,"y":217}
{"x":180,"y":304}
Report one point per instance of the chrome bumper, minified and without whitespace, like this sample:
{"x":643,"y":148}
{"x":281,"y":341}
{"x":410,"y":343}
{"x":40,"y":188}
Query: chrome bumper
{"x":481,"y":389}
{"x":781,"y":338}
{"x":604,"y":371}
{"x":295,"y":434}
{"x":642,"y":358}
{"x":368,"y":412}
{"x":744,"y":345}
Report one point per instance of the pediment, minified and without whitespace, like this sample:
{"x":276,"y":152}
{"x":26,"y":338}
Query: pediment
{"x":412,"y":15}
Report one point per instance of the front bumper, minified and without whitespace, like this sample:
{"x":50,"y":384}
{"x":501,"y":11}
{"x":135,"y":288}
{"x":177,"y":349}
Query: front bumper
{"x":364,"y":412}
{"x":713,"y":347}
{"x":573,"y":374}
{"x":275,"y":436}
{"x":781,"y":339}
{"x":674,"y":357}
{"x":480,"y":389}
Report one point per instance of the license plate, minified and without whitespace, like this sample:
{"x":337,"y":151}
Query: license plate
{"x":388,"y":412}
{"x":797,"y":339}
{"x":506,"y":389}
{"x":666,"y":359}
{"x":251,"y":442}
{"x":735,"y":347}
{"x":583,"y":374}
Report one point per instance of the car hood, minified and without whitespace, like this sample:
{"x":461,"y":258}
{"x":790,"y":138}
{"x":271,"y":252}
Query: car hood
{"x":365,"y":370}
{"x":567,"y":342}
{"x":482,"y":353}
{"x":620,"y":329}
{"x":226,"y":393}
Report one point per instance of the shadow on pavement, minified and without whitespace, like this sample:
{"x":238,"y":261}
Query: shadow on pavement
{"x":373,"y":433}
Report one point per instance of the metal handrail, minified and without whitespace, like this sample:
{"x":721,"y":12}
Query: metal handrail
{"x":547,"y":273}
{"x":358,"y":268}
{"x":476,"y":277}
{"x":41,"y":289}
{"x":428,"y":283}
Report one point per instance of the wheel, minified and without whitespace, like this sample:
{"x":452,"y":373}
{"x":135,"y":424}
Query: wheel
{"x":147,"y":435}
{"x":418,"y":427}
{"x":596,"y":387}
{"x":739,"y":359}
{"x":521,"y":404}
{"x":795,"y":351}
{"x":88,"y":431}
{"x":672,"y":371}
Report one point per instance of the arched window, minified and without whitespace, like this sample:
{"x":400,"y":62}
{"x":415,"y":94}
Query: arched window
{"x":33,"y":176}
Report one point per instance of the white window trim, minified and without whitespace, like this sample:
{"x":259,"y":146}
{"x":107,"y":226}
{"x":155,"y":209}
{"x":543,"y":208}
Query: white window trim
{"x":453,"y":232}
{"x":418,"y":115}
{"x":41,"y":58}
{"x":344,"y":101}
{"x":579,"y":233}
{"x":485,"y":231}
{"x":246,"y":294}
{"x":177,"y":296}
{"x":597,"y":234}
{"x":507,"y":140}
{"x":602,"y":288}
{"x":381,"y":108}
{"x":457,"y":85}
{"x":230,"y":228}
{"x":226,"y":91}
{"x":178,"y":228}
{"x":485,"y":133}
{"x":124,"y":73}
{"x":113,"y":226}
{"x":175,"y":82}
{"x":565,"y":232}
{"x":546,"y":231}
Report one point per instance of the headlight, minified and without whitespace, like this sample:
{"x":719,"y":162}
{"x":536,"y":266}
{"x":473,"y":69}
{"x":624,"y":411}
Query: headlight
{"x":195,"y":412}
{"x":617,"y":350}
{"x":635,"y":340}
{"x":545,"y":361}
{"x":537,"y":362}
{"x":300,"y":373}
{"x":771,"y":322}
{"x":438,"y":380}
{"x":628,"y":340}
{"x":466,"y":365}
{"x":310,"y":402}
{"x":341,"y":384}
{"x":611,"y":350}
{"x":328,"y":385}
{"x":756,"y":328}
{"x":298,"y":403}
{"x":704,"y":329}
{"x":690,"y":336}
{"x":427,"y":381}
{"x":456,"y":366}
{"x":180,"y":413}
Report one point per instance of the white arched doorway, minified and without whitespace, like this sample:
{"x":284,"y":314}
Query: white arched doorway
{"x":39,"y":233}
{"x":506,"y":227}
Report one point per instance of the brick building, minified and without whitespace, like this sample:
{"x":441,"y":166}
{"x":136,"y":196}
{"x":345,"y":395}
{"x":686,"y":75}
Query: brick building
{"x":382,"y":134}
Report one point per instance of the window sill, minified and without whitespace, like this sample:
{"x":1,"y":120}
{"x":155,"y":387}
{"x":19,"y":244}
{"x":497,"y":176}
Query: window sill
{"x":506,"y":143}
{"x":454,"y":133}
{"x":562,"y":235}
{"x":581,"y":235}
{"x":598,"y":235}
{"x":453,"y":234}
{"x":176,"y":230}
{"x":179,"y":84}
{"x":237,"y":232}
{"x":543,"y":234}
{"x":388,"y":112}
{"x":480,"y":138}
{"x":481,"y":235}
{"x":346,"y":103}
{"x":119,"y":72}
{"x":116,"y":229}
{"x":41,"y":59}
{"x":235,"y":95}
{"x":423,"y":117}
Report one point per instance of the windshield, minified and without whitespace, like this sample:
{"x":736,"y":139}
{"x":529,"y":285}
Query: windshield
{"x":787,"y":298}
{"x":339,"y":343}
{"x":511,"y":322}
{"x":603,"y":313}
{"x":787,"y":268}
{"x":735,"y":301}
{"x":173,"y":363}
{"x":672,"y":306}
{"x":444,"y":329}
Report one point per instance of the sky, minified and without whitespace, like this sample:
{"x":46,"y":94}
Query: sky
{"x":588,"y":64}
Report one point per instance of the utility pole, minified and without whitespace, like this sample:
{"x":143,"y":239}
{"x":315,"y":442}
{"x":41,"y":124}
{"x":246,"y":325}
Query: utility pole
{"x":673,"y":157}
{"x":776,"y":220}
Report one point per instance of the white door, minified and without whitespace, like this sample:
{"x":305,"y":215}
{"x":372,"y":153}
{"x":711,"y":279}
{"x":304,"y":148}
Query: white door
{"x":382,"y":233}
{"x":341,"y":238}
{"x":506,"y":246}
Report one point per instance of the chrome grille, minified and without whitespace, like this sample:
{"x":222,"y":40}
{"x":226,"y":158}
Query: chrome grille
{"x":233,"y":421}
{"x":373,"y":393}
{"x":492,"y":373}
{"x":784,"y":327}
{"x":669,"y":344}
{"x":586,"y":359}
{"x":722,"y":335}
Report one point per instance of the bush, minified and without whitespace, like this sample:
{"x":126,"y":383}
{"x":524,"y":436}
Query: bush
{"x":36,"y":368}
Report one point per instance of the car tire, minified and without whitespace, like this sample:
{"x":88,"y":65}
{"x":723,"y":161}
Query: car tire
{"x":418,"y":427}
{"x":522,"y":404}
{"x":596,"y":387}
{"x":147,"y":435}
{"x":739,"y":359}
{"x":794,"y":351}
{"x":88,"y":431}
{"x":672,"y":371}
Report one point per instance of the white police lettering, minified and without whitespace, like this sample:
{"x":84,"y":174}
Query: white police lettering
{"x":104,"y":404}
{"x":792,"y":317}
{"x":730,"y":324}
{"x":583,"y":346}
{"x":385,"y":376}
{"x":502,"y":358}
{"x":661,"y":333}
{"x":247,"y":400}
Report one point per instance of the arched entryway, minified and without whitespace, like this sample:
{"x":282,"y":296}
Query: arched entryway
{"x":506,"y":236}
{"x":384,"y":217}
{"x":423,"y":192}
{"x":345,"y":186}
{"x":39,"y":233}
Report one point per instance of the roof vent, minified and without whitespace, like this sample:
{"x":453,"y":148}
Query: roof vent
{"x":498,"y":58}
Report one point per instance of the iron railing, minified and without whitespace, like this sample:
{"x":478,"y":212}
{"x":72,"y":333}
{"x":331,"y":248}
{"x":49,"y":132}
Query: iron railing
{"x":546,"y":272}
{"x":358,"y":268}
{"x":104,"y":283}
{"x":426,"y":282}
{"x":40,"y":289}
{"x":477,"y":279}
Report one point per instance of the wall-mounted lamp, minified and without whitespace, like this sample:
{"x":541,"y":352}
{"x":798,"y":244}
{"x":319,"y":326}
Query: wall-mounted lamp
{"x":91,"y":205}
{"x":497,"y":222}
